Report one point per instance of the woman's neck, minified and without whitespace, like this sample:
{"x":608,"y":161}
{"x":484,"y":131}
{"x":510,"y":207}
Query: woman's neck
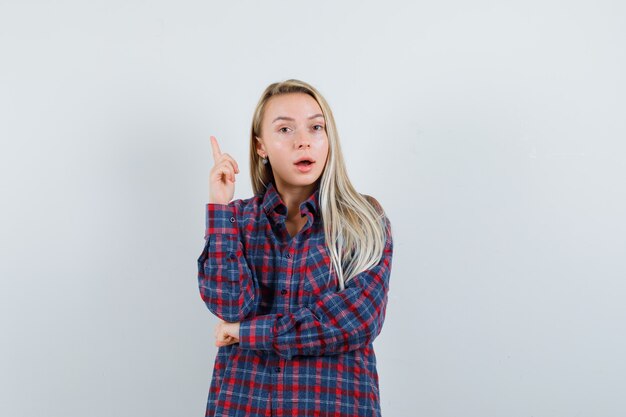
{"x":293,"y":196}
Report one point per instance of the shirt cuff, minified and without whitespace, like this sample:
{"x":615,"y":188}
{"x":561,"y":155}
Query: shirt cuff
{"x":257,"y":333}
{"x":220,"y":219}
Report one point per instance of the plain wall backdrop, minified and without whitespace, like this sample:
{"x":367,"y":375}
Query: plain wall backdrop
{"x":492,"y":132}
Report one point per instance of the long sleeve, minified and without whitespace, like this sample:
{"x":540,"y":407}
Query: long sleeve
{"x":334,"y":323}
{"x":227,"y":284}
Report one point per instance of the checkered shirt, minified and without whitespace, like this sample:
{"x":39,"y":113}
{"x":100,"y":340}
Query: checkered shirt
{"x":305,"y":348}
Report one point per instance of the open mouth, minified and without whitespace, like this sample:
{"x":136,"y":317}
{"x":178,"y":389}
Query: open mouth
{"x":304,"y":163}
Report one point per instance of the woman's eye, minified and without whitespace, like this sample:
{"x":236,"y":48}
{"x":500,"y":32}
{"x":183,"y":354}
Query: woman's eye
{"x":318,"y":127}
{"x":284,"y":129}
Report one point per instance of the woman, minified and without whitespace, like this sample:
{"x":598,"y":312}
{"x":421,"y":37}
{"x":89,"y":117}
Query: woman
{"x":298,"y":274}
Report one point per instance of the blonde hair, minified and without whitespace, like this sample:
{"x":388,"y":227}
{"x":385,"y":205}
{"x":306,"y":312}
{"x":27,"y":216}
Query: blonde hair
{"x":354,"y":225}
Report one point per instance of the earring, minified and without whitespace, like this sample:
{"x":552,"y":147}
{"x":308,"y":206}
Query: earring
{"x":265,"y":161}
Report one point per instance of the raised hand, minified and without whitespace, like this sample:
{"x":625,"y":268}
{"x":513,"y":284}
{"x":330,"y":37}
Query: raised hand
{"x":222,"y":176}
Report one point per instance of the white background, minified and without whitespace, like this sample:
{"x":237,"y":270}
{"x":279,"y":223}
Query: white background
{"x":491,"y":131}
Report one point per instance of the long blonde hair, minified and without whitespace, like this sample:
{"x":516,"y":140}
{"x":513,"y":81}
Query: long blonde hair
{"x":354,"y":225}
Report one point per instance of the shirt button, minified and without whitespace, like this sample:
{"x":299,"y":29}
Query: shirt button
{"x":283,"y":292}
{"x":288,"y":255}
{"x":232,"y":220}
{"x":277,"y":369}
{"x":233,"y":256}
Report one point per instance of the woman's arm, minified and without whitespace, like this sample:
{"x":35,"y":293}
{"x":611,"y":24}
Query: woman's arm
{"x":227,"y":284}
{"x":336,"y":322}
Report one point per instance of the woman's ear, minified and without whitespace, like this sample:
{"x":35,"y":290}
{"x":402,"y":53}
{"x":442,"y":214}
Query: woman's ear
{"x":260,"y":147}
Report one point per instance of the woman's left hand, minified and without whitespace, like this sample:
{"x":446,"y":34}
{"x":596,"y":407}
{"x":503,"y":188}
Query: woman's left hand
{"x":226,"y":333}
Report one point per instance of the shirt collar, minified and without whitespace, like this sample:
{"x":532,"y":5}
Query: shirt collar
{"x":274,"y":206}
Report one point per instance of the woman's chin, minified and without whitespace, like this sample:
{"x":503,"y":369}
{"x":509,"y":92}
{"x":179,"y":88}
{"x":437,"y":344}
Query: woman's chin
{"x":301,"y":181}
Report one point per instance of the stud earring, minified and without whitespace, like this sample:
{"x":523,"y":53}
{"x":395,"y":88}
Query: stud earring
{"x":265,"y":161}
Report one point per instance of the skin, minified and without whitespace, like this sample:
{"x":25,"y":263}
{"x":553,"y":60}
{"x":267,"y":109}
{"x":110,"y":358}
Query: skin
{"x":292,"y":127}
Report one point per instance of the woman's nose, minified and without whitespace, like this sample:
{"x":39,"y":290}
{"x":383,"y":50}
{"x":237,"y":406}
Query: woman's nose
{"x":303,"y":140}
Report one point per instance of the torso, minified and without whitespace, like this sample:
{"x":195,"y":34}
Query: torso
{"x":291,"y":278}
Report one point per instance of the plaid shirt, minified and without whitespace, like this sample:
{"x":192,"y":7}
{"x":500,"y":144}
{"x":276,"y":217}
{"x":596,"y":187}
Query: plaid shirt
{"x":305,"y":348}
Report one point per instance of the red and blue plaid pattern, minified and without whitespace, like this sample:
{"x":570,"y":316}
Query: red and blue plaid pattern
{"x":305,"y":348}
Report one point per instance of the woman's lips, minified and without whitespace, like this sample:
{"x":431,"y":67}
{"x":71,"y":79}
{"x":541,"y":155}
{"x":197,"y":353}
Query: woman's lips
{"x":303,"y":167}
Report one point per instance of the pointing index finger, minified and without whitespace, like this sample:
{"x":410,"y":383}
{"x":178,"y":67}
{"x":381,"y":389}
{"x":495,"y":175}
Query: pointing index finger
{"x":216,"y":148}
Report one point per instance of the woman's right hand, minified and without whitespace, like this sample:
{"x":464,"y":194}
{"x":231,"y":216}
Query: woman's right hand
{"x":222,"y":176}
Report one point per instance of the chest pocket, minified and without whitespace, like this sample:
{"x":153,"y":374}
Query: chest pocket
{"x":318,"y":277}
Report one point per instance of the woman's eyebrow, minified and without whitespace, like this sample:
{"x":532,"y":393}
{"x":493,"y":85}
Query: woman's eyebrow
{"x":292,"y":119}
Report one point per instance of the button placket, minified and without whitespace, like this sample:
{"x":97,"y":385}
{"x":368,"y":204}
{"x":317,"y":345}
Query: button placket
{"x":289,"y":261}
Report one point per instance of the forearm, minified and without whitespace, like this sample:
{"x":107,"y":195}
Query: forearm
{"x":227,"y":285}
{"x":336,"y":322}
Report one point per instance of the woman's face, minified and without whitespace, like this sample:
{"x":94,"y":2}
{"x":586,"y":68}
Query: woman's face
{"x":293,"y":128}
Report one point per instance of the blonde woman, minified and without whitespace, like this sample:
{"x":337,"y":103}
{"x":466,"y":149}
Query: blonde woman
{"x":298,"y":274}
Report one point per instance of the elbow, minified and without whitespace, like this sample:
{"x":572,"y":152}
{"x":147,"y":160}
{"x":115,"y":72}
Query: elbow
{"x":366,"y":334}
{"x":369,"y":334}
{"x":230,"y":317}
{"x":226,"y":308}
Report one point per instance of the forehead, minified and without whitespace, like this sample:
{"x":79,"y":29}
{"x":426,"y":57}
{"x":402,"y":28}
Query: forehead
{"x":294,"y":105}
